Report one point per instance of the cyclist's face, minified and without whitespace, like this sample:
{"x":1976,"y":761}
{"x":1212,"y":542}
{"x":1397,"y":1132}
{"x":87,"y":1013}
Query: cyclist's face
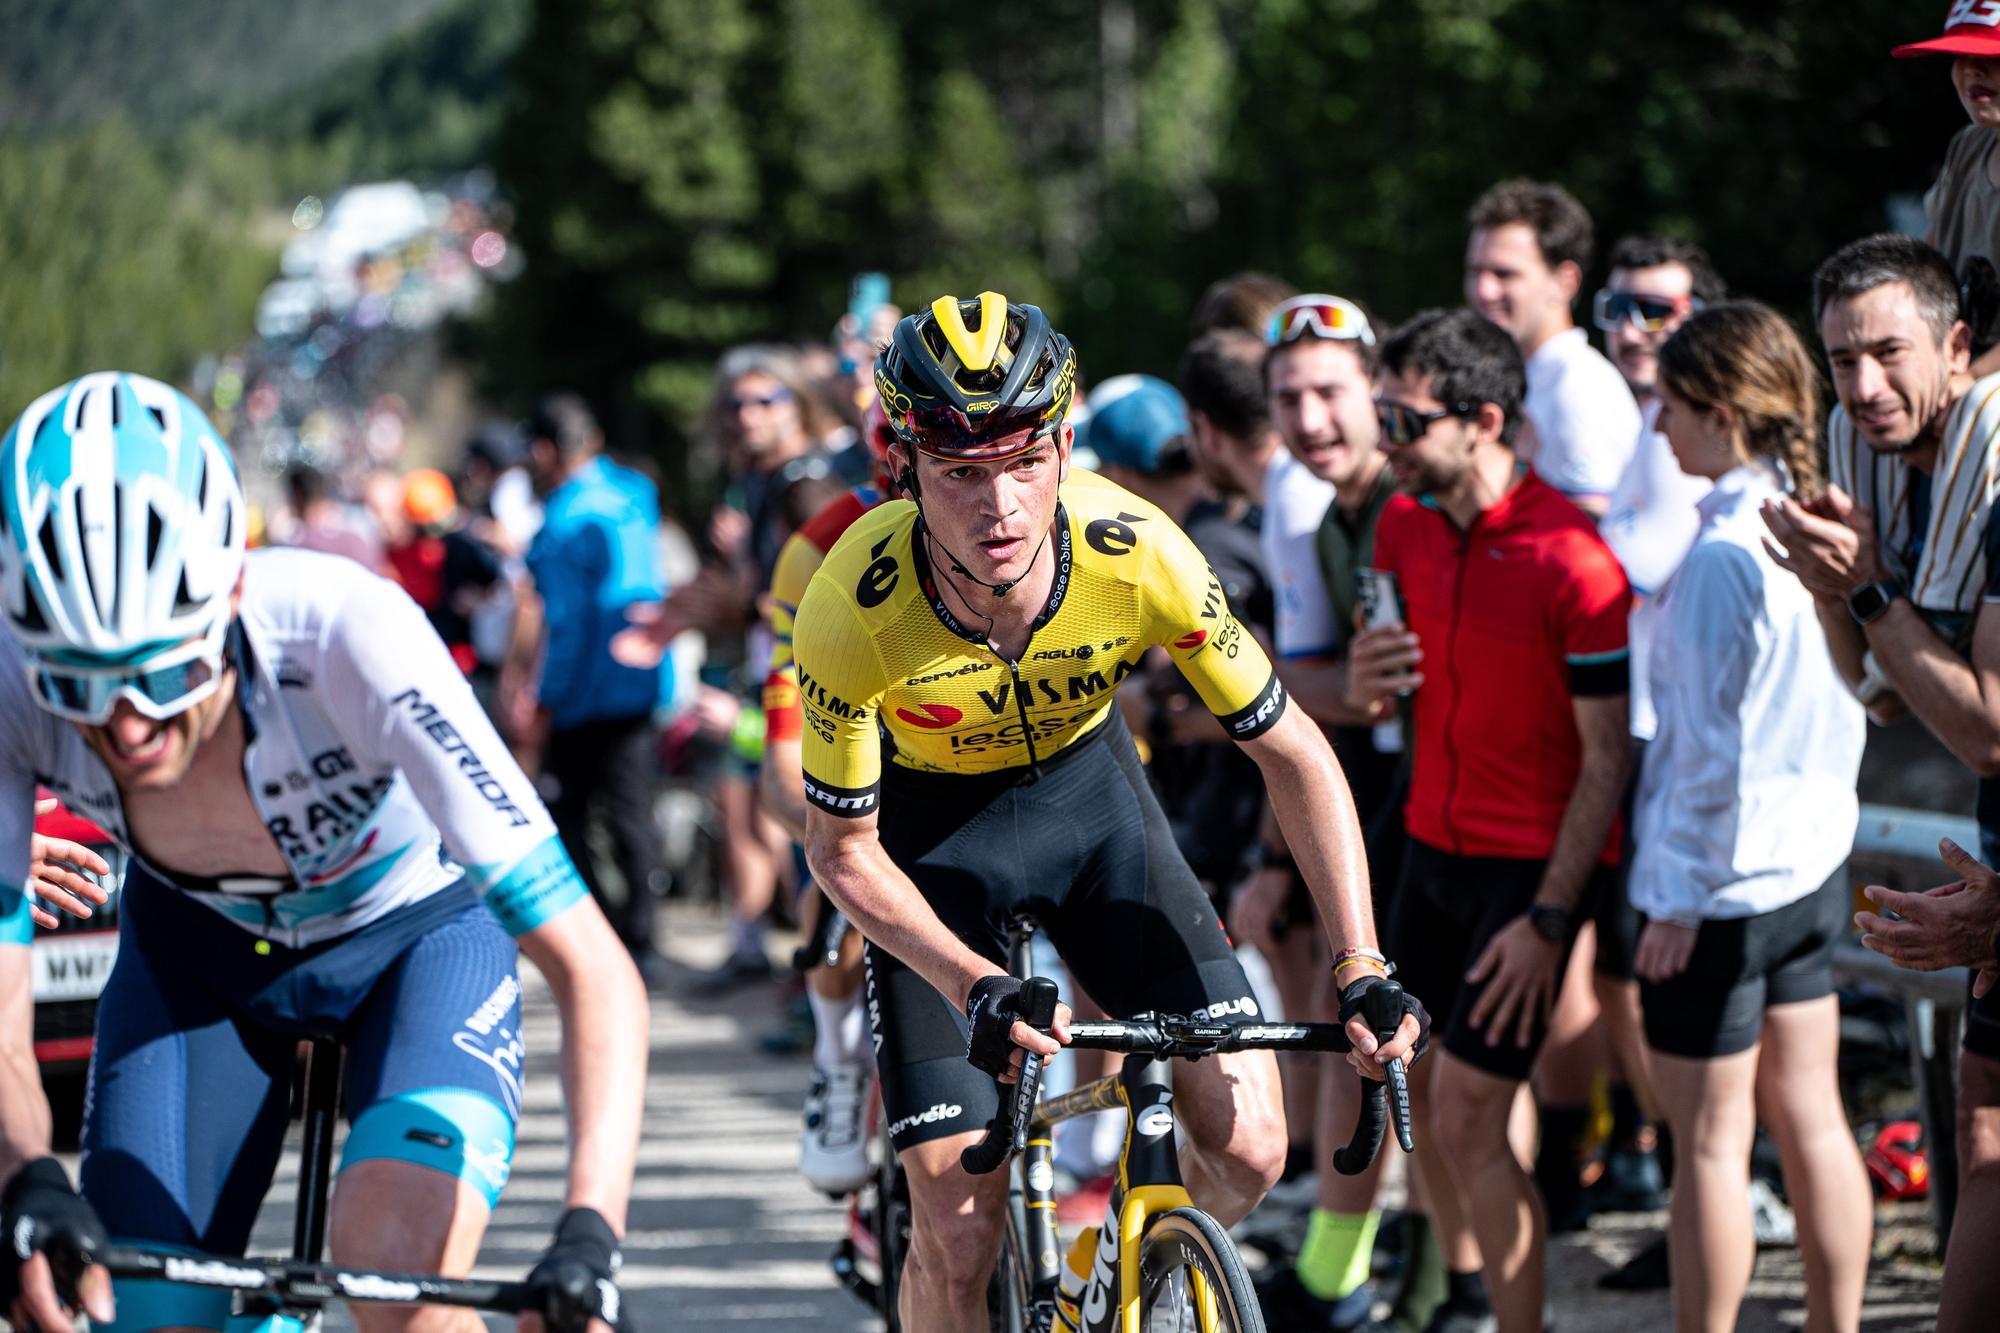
{"x":150,"y":754}
{"x":1508,"y":280}
{"x":1889,"y":370}
{"x":1323,"y":403}
{"x":993,"y":516}
{"x":1438,"y":460}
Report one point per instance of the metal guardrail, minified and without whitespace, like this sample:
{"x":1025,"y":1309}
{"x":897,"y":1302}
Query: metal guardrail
{"x":1898,"y":848}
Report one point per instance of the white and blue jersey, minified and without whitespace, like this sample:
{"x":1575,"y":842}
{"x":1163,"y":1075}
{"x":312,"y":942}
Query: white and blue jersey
{"x":411,"y":839}
{"x":373,"y":767}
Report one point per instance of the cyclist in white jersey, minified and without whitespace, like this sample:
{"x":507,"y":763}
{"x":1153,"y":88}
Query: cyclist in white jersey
{"x":327,"y":837}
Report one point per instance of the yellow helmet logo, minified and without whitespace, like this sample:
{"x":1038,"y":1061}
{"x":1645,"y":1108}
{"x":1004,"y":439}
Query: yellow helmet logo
{"x":976,"y":349}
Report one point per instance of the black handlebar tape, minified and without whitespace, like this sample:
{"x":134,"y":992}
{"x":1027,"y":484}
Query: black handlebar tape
{"x":1360,"y":1150}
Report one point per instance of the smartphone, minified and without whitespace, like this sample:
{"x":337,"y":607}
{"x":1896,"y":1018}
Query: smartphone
{"x":1379,"y":604}
{"x":865,"y":294}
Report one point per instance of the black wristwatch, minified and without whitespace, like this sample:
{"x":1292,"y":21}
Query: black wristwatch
{"x":1551,"y":923}
{"x":1867,"y":602}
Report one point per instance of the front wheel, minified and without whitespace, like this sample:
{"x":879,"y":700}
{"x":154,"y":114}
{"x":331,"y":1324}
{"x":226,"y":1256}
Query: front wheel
{"x":1192,"y":1280}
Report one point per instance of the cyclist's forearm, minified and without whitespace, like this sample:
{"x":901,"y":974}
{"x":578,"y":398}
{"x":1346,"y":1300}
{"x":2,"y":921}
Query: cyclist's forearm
{"x":604,"y":1013}
{"x":24,"y":1110}
{"x":881,"y":902}
{"x":1316,"y":811}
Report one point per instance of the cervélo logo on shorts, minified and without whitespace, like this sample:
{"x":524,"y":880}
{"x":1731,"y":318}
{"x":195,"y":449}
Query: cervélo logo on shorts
{"x":937,"y":1114}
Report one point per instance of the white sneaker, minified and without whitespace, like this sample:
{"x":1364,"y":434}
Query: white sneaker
{"x":833,"y":1151}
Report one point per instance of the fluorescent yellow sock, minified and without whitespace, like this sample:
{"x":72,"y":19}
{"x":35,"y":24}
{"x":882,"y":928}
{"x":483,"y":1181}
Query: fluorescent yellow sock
{"x":1338,"y":1251}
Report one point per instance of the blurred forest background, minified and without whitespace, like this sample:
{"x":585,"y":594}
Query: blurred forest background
{"x":688,"y":174}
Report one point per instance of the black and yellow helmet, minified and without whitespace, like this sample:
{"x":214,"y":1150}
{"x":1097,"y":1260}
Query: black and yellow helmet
{"x":960,"y":378}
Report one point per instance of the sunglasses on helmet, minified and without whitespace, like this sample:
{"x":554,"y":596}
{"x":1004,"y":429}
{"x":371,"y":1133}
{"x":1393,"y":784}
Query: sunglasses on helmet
{"x":1650,"y":314}
{"x":1406,"y":425}
{"x":1320,"y":316}
{"x":163,"y":686}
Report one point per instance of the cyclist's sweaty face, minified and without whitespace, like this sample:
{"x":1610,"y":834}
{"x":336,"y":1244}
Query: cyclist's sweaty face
{"x":149,"y":754}
{"x":993,"y":516}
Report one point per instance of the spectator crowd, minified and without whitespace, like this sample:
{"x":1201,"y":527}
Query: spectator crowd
{"x":1596,"y":631}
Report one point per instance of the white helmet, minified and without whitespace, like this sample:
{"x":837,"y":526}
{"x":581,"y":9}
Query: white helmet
{"x":121,"y":527}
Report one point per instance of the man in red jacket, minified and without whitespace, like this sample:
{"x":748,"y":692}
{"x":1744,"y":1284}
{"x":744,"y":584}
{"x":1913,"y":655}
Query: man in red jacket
{"x":1514,"y":640}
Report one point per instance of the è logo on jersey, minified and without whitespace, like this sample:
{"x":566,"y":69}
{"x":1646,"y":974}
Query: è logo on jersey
{"x":879,"y":579}
{"x":931,"y":717}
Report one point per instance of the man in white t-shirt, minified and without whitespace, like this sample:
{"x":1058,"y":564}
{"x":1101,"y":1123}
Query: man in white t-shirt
{"x":1523,"y":270}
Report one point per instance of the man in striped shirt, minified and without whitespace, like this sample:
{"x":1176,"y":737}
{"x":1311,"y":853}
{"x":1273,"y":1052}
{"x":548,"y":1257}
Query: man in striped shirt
{"x":1901,"y":558}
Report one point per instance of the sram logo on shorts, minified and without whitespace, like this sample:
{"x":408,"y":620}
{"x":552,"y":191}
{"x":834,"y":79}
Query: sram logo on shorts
{"x":931,"y":717}
{"x":937,"y":1114}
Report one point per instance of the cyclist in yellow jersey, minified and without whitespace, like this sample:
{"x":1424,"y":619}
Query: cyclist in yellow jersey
{"x":977,"y":631}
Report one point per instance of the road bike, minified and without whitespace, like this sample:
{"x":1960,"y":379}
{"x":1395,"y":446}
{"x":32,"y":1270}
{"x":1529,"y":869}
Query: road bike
{"x":1161,"y":1264}
{"x":289,"y":1295}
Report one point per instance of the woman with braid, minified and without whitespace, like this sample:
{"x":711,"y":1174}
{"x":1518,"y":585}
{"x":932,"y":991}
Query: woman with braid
{"x":1746,"y":809}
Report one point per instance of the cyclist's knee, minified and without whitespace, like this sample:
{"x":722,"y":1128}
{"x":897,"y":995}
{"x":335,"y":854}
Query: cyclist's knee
{"x":405,"y":1218}
{"x":956,"y":1249}
{"x":1236,"y":1119}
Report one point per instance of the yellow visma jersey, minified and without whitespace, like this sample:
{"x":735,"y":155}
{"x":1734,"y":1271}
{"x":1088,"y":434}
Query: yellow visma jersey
{"x":876,"y":643}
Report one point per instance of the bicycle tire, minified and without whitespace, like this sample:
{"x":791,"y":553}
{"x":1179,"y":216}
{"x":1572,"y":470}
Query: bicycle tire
{"x":1184,"y":1243}
{"x":892,"y":1232}
{"x":1007,"y":1307}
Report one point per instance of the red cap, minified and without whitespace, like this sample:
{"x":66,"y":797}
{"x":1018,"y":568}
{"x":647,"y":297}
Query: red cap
{"x":1972,"y":28}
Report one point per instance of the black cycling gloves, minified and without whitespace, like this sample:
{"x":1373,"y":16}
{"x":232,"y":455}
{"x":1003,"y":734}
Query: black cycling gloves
{"x":41,"y":1211}
{"x":994,"y":1006}
{"x":576,"y":1281}
{"x":1381,"y":1003}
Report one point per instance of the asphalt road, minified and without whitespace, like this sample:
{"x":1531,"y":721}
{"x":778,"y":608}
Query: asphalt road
{"x":723,"y":1234}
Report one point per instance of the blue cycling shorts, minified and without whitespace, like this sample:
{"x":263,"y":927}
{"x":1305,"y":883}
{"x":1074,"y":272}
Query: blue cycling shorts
{"x":197,"y":1039}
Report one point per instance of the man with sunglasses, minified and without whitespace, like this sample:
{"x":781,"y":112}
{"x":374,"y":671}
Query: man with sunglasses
{"x":327,"y":837}
{"x":1524,"y":264}
{"x":984,"y":624}
{"x":1514,"y":643}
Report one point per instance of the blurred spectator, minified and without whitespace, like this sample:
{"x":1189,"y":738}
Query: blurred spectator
{"x":1524,"y":266}
{"x":1655,"y":284}
{"x":768,"y":421}
{"x":1139,"y":429}
{"x":441,"y":565}
{"x":495,"y":489}
{"x":1242,"y":301}
{"x":1523,"y":269}
{"x":321,"y":523}
{"x":1746,"y":814}
{"x":1319,"y":371}
{"x":1962,"y":208}
{"x":764,"y":414}
{"x":1902,"y":557}
{"x":1521,"y":750}
{"x":1222,"y":375}
{"x":594,"y":559}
